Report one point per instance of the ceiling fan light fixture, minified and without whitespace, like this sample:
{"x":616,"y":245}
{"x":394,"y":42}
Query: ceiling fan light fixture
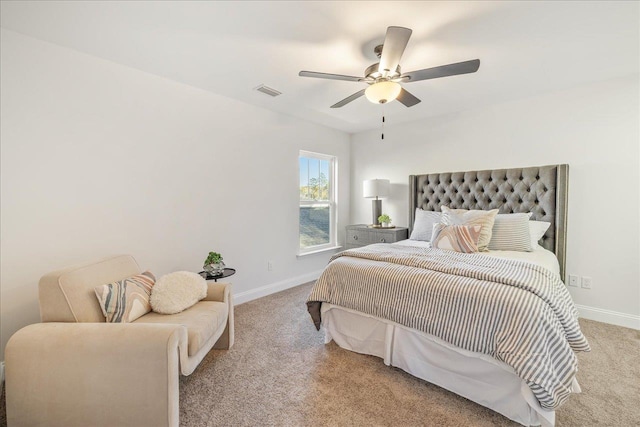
{"x":383,"y":92}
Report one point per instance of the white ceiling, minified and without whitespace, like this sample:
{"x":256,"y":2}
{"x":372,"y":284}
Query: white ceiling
{"x":229,"y":48}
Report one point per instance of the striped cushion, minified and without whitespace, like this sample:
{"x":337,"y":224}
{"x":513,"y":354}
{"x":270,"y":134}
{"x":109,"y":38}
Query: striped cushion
{"x":459,"y":238}
{"x":475,"y":217}
{"x":511,"y":233}
{"x":423,"y":225}
{"x":127,"y":299}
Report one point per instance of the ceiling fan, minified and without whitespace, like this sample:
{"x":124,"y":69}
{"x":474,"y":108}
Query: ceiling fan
{"x":384,"y":77}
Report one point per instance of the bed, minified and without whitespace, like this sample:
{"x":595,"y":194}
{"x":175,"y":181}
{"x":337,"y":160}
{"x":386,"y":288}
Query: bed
{"x":401,"y":331}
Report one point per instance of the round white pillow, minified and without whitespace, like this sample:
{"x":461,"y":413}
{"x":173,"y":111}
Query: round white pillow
{"x":175,"y":292}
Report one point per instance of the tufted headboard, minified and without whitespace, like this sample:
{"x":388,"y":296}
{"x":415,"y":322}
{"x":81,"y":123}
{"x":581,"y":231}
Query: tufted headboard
{"x":541,"y":190}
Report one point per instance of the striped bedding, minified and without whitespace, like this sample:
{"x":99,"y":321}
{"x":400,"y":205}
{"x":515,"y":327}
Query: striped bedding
{"x":517,"y":312}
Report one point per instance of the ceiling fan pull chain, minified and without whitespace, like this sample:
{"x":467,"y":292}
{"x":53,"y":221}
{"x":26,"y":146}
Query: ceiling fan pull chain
{"x":382,"y":122}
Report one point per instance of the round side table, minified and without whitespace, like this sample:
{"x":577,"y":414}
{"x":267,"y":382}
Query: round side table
{"x":226,"y":273}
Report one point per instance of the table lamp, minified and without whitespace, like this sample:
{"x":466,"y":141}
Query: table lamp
{"x":376,"y":188}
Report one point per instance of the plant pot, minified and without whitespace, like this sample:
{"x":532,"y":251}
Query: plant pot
{"x":214,"y":269}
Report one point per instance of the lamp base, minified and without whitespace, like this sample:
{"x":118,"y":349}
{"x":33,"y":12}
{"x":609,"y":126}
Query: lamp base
{"x":377,"y":210}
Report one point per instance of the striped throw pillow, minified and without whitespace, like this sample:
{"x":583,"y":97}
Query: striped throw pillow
{"x":423,"y":224}
{"x":459,"y":238}
{"x":126,"y":300}
{"x":511,"y":233}
{"x":474,"y":217}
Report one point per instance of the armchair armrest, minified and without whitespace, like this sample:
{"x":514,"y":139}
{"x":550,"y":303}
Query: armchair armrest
{"x":99,"y":374}
{"x":222,"y":292}
{"x":218,"y":291}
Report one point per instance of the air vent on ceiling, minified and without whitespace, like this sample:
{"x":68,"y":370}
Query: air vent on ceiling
{"x":267,"y":90}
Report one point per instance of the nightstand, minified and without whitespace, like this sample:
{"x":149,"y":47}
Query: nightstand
{"x":361,"y":235}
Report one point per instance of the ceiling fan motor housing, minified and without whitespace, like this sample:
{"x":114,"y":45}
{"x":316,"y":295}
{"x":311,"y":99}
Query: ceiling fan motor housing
{"x":372,"y":73}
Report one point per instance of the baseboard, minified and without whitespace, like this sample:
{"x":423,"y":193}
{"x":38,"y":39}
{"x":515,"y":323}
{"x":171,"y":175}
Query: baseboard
{"x":607,"y":316}
{"x":263,"y":291}
{"x":1,"y":376}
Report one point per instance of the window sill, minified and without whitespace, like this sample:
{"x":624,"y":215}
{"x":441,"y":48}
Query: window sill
{"x":319,"y":251}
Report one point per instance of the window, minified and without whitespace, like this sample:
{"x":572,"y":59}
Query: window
{"x":317,"y":202}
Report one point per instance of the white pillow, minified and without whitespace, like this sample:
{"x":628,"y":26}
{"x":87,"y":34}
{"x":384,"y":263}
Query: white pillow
{"x":536,"y":231}
{"x":472,"y":217}
{"x":175,"y":292}
{"x":423,"y":224}
{"x":511,"y":233}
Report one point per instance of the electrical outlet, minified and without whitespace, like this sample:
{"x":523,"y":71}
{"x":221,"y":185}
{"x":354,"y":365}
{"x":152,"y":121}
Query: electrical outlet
{"x":573,"y":280}
{"x":270,"y":265}
{"x":586,"y":282}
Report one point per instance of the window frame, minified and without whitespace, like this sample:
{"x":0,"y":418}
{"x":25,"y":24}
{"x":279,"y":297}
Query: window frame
{"x":332,"y":203}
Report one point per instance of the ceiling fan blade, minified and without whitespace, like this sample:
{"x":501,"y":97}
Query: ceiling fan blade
{"x":465,"y":67}
{"x":407,"y":98}
{"x":348,"y":99}
{"x":394,"y":44}
{"x":329,"y":76}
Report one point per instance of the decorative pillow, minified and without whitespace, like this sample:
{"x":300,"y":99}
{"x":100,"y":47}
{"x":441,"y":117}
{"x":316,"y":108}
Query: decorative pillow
{"x":127,"y":299}
{"x":175,"y":292}
{"x":536,"y":231}
{"x":466,"y":217}
{"x":423,"y":224}
{"x":459,"y":238}
{"x":511,"y":233}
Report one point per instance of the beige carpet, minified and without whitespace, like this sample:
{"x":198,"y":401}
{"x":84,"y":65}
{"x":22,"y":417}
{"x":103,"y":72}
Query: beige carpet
{"x":280,"y":373}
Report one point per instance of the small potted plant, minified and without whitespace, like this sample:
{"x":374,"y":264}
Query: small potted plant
{"x":213,"y":265}
{"x":385,"y":220}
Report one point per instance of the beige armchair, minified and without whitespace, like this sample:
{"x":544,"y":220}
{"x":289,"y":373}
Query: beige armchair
{"x":76,"y":370}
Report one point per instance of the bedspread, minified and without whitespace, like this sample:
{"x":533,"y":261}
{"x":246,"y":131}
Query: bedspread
{"x":517,"y":312}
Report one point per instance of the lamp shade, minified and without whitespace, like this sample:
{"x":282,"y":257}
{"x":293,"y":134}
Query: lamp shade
{"x":383,"y":92}
{"x":375,"y":188}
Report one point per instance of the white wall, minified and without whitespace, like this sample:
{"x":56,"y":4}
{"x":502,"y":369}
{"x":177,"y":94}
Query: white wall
{"x":100,"y":159}
{"x":592,"y":128}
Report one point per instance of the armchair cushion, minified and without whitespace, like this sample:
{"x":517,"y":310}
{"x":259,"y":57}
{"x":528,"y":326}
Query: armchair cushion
{"x":123,"y":301}
{"x":202,"y":321}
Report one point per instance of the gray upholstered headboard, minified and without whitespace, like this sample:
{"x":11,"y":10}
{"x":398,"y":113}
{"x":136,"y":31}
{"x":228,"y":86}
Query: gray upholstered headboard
{"x":541,"y":190}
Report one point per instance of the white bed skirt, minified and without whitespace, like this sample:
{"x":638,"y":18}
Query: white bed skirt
{"x":475,"y":376}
